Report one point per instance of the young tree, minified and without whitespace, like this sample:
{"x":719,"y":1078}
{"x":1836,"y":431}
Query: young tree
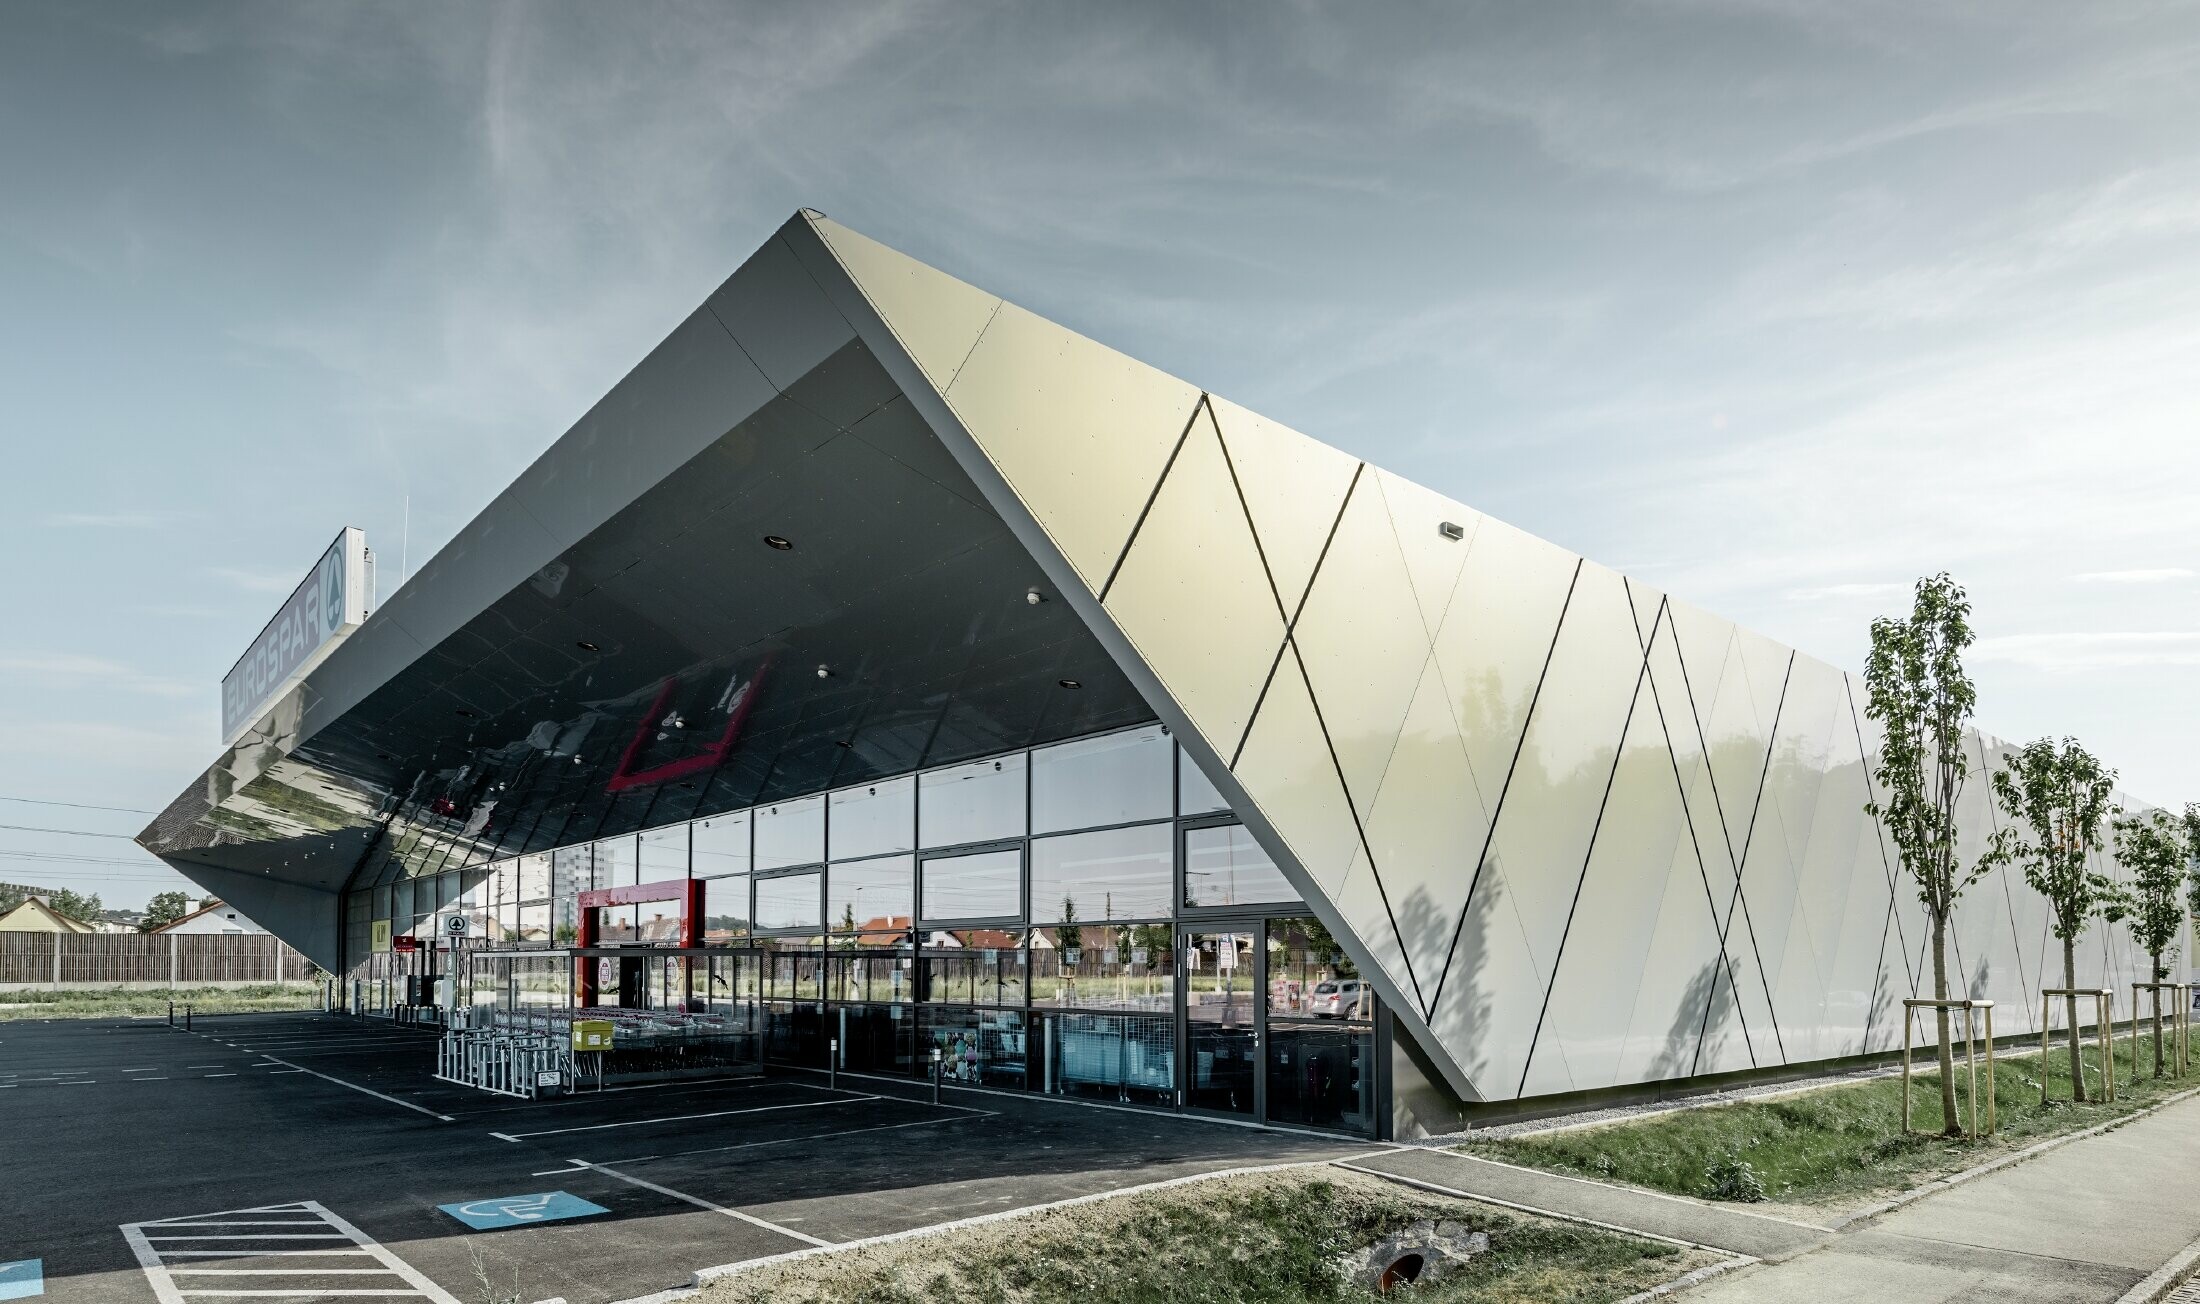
{"x":1922,"y":699}
{"x":2062,"y":793}
{"x":2153,"y":849}
{"x":76,"y":905}
{"x":164,"y":908}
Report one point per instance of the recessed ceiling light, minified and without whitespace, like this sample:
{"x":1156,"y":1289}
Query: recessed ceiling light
{"x":778,"y":544}
{"x":1034,"y":596}
{"x":824,"y":672}
{"x":1069,"y":683}
{"x":586,"y":646}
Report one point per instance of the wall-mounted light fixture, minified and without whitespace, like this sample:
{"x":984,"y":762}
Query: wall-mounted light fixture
{"x":1034,"y":596}
{"x":1452,"y":531}
{"x":1069,"y":683}
{"x":778,"y":544}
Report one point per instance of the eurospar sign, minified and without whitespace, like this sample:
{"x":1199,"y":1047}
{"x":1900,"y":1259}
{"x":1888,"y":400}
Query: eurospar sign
{"x":329,"y":604}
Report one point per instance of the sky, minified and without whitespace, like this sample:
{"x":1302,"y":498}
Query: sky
{"x":1775,"y":304}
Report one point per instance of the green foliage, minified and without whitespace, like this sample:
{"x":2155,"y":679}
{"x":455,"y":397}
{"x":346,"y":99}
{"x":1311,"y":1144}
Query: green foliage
{"x":2063,"y":795}
{"x":1923,"y":699}
{"x":1730,"y":1177}
{"x":1836,"y":1143}
{"x":1271,"y":1239}
{"x":2153,"y":847}
{"x":2192,"y":853}
{"x":101,"y":1003}
{"x":76,"y":905}
{"x":164,"y":908}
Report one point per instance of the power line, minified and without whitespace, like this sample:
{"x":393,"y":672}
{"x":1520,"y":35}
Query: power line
{"x":59,"y":858}
{"x":77,"y":805}
{"x":74,"y":833}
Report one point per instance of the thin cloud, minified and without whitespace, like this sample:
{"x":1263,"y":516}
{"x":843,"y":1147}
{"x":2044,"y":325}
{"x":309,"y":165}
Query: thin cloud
{"x":112,"y":520}
{"x":2159,"y":575}
{"x":2092,"y":651}
{"x":73,"y":670}
{"x":1856,"y":590}
{"x":256,"y":581}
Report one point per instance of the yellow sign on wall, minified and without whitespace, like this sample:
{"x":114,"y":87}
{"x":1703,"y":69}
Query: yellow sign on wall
{"x":378,"y":936}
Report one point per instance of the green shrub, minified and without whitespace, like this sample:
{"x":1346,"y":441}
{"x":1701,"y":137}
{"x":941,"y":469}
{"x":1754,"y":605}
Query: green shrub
{"x":1729,"y":1177}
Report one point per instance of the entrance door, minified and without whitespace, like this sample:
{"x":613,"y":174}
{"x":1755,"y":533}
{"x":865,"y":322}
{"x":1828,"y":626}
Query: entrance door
{"x":1318,"y":1033}
{"x":1220,"y":983}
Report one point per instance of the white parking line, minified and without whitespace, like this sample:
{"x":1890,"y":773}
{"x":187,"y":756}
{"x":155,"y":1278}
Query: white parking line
{"x":417,"y":1109}
{"x":701,"y":1203}
{"x":255,"y":1254}
{"x":149,"y":1241}
{"x":250,"y":1236}
{"x":792,"y":1140}
{"x":682,"y":1118}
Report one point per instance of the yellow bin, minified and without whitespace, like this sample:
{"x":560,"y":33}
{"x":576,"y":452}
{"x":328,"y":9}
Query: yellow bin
{"x":592,"y":1034}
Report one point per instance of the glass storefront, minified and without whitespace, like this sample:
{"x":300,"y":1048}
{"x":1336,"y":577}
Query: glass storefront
{"x":1083,"y":920}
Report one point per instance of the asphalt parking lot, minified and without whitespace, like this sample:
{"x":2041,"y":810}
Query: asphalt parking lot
{"x":295,"y":1156}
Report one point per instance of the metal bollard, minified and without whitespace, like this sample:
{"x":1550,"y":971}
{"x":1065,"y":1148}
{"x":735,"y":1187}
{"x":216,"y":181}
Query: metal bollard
{"x":936,"y":1075}
{"x":832,"y":1064}
{"x":171,"y":1014}
{"x":187,"y":1018}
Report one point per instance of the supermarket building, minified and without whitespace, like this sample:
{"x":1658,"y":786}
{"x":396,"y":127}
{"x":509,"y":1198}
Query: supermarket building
{"x":888,"y":669}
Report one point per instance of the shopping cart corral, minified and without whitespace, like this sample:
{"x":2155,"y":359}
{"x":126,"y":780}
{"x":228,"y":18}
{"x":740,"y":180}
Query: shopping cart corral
{"x":508,"y":1061}
{"x":530,"y":1053}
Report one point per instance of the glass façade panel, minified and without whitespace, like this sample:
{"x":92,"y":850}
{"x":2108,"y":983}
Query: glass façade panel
{"x":1117,"y":778}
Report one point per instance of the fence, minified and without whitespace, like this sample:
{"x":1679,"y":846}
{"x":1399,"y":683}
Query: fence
{"x":56,"y":960}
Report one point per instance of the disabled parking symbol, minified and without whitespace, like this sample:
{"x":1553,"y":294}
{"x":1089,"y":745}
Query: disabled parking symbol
{"x":520,"y":1210}
{"x":22,"y":1278}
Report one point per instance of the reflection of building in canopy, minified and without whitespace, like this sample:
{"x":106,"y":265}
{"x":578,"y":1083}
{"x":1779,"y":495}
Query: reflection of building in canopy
{"x":916,"y":627}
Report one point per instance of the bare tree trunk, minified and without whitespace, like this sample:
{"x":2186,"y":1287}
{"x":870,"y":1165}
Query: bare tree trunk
{"x":1952,"y":1125}
{"x":2070,"y":981}
{"x":2158,"y":973}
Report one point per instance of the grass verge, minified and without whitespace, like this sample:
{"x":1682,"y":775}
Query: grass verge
{"x":1837,"y":1145}
{"x":69,"y":1003}
{"x":1263,"y":1238}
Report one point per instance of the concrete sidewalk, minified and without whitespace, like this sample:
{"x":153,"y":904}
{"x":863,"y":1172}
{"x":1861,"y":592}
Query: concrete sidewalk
{"x":1722,"y":1227}
{"x":2085,"y":1221}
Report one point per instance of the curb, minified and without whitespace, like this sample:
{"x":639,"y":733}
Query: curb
{"x":1689,"y":1281}
{"x":1937,"y":1185}
{"x":2164,"y":1279}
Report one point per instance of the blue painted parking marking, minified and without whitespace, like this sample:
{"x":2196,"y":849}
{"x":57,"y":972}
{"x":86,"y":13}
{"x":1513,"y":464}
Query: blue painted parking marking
{"x":22,"y":1279}
{"x":520,"y":1210}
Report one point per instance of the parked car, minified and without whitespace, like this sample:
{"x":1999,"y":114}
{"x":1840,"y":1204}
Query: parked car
{"x":1336,"y":998}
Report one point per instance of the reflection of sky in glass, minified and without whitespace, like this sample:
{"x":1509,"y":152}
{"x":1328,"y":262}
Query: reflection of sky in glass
{"x":877,"y":893}
{"x":664,"y":854}
{"x":1112,"y":779}
{"x":972,"y":803}
{"x":986,"y":885}
{"x":1114,"y":874}
{"x":874,"y":819}
{"x":790,"y":833}
{"x":721,"y":844}
{"x":789,"y":901}
{"x":1225,"y":867}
